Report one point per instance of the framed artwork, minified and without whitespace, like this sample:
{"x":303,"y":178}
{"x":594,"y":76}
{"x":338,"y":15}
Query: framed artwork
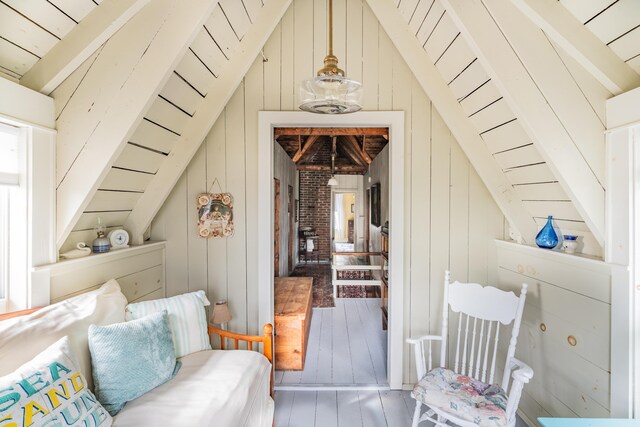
{"x":376,"y":218}
{"x":215,"y":215}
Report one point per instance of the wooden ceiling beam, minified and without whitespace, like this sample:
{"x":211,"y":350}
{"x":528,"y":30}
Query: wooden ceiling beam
{"x":111,"y":101}
{"x":354,"y":143}
{"x":205,"y":117}
{"x":384,"y":132}
{"x":596,"y":57}
{"x":337,"y":169}
{"x":302,"y":152}
{"x":351,"y":153}
{"x":543,"y":95}
{"x":81,"y":42}
{"x":454,"y":116}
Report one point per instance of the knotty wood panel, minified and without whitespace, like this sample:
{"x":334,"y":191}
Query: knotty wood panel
{"x":231,"y":158}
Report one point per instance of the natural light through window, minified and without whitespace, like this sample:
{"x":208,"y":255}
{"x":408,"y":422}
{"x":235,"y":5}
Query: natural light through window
{"x":9,"y":180}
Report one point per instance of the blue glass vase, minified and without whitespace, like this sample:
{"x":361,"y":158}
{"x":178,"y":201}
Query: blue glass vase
{"x":547,"y":237}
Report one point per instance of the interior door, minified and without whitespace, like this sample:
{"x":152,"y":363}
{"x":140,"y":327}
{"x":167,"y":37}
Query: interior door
{"x":276,"y":228}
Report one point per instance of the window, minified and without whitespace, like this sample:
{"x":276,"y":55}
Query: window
{"x":9,"y":182}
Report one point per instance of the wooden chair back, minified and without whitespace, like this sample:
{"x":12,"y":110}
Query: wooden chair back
{"x":481,"y":311}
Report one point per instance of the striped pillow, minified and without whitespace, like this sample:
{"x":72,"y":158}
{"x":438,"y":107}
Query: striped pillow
{"x":187,"y":320}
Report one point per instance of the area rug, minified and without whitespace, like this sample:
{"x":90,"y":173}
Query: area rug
{"x":322,"y":289}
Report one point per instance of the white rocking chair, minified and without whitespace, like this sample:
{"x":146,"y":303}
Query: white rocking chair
{"x":461,"y":395}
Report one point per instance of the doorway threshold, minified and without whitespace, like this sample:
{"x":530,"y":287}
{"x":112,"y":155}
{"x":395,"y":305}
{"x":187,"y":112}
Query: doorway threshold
{"x":336,"y":387}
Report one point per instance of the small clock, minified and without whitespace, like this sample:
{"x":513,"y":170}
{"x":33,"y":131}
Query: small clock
{"x":119,"y":239}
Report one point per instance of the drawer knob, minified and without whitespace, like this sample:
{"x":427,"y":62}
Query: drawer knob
{"x":543,"y":327}
{"x":572,"y":340}
{"x":520,"y":269}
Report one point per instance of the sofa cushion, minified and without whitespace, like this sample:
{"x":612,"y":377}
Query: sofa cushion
{"x":187,"y":319}
{"x":22,"y":338}
{"x":50,"y":390}
{"x":131,"y":358}
{"x":212,"y":388}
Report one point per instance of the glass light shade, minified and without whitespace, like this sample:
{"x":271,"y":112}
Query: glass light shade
{"x":330,"y":94}
{"x":332,"y":181}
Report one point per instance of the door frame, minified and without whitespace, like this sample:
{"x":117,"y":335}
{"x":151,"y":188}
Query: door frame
{"x":394,"y":120}
{"x":333,"y":197}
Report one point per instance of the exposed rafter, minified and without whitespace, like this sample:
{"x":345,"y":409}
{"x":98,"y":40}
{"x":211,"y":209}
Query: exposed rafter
{"x":596,"y":57}
{"x":350,"y":139}
{"x":204,"y":118}
{"x":111,"y":101}
{"x":529,"y":78}
{"x":331,"y":131}
{"x":454,"y":116}
{"x":305,"y":151}
{"x":351,"y":152}
{"x":338,"y":169}
{"x":85,"y":38}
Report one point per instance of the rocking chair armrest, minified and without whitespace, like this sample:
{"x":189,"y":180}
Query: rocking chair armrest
{"x":418,"y":340}
{"x":520,"y":371}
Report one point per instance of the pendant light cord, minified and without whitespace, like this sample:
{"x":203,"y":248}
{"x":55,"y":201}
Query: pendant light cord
{"x":330,"y":27}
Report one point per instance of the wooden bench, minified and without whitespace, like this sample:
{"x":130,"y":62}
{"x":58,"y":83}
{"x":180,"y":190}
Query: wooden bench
{"x":292,"y":309}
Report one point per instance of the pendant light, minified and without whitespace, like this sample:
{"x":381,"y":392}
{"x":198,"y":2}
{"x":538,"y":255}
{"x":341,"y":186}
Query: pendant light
{"x":333,"y":182}
{"x":330,"y":92}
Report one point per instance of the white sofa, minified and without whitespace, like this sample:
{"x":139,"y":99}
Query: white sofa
{"x":214,"y":387}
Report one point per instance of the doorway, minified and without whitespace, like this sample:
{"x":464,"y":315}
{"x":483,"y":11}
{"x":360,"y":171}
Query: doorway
{"x":394,"y":121}
{"x":344,"y":221}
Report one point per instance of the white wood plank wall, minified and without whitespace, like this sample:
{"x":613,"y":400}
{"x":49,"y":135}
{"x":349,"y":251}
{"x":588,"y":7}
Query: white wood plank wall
{"x":568,"y":296}
{"x":499,"y":127}
{"x":450,"y":217}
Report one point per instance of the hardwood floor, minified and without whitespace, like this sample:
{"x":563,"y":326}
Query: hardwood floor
{"x":347,"y":346}
{"x":343,"y":408}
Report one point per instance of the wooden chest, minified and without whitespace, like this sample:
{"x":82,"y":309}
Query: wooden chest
{"x":292,"y":309}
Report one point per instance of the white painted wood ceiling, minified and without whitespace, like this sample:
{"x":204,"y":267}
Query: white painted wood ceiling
{"x":615,"y":23}
{"x":30,"y":28}
{"x":164,"y":122}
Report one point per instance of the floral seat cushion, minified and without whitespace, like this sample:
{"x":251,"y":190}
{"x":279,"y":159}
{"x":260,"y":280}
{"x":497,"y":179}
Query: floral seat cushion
{"x":463,"y":397}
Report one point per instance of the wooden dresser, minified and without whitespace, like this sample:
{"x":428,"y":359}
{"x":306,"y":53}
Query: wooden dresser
{"x":292,"y":310}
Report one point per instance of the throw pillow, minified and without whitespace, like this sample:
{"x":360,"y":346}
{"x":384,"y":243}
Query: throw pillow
{"x":50,"y":390}
{"x":131,"y":358}
{"x":23,"y":338}
{"x":187,"y":319}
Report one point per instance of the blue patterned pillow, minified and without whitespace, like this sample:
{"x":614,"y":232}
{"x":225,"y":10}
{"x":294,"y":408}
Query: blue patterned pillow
{"x":131,"y":358}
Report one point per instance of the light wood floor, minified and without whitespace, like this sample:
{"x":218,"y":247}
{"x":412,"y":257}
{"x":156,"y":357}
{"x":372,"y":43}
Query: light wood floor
{"x":346,"y":346}
{"x":343,"y":408}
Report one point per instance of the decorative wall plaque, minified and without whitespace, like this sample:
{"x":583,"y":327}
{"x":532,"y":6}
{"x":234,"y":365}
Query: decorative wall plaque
{"x":215,"y":215}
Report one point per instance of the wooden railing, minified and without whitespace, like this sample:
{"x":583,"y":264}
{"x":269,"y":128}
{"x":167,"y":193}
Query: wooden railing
{"x":266,"y":339}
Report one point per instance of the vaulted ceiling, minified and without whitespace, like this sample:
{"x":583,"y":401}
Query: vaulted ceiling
{"x":139,"y":83}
